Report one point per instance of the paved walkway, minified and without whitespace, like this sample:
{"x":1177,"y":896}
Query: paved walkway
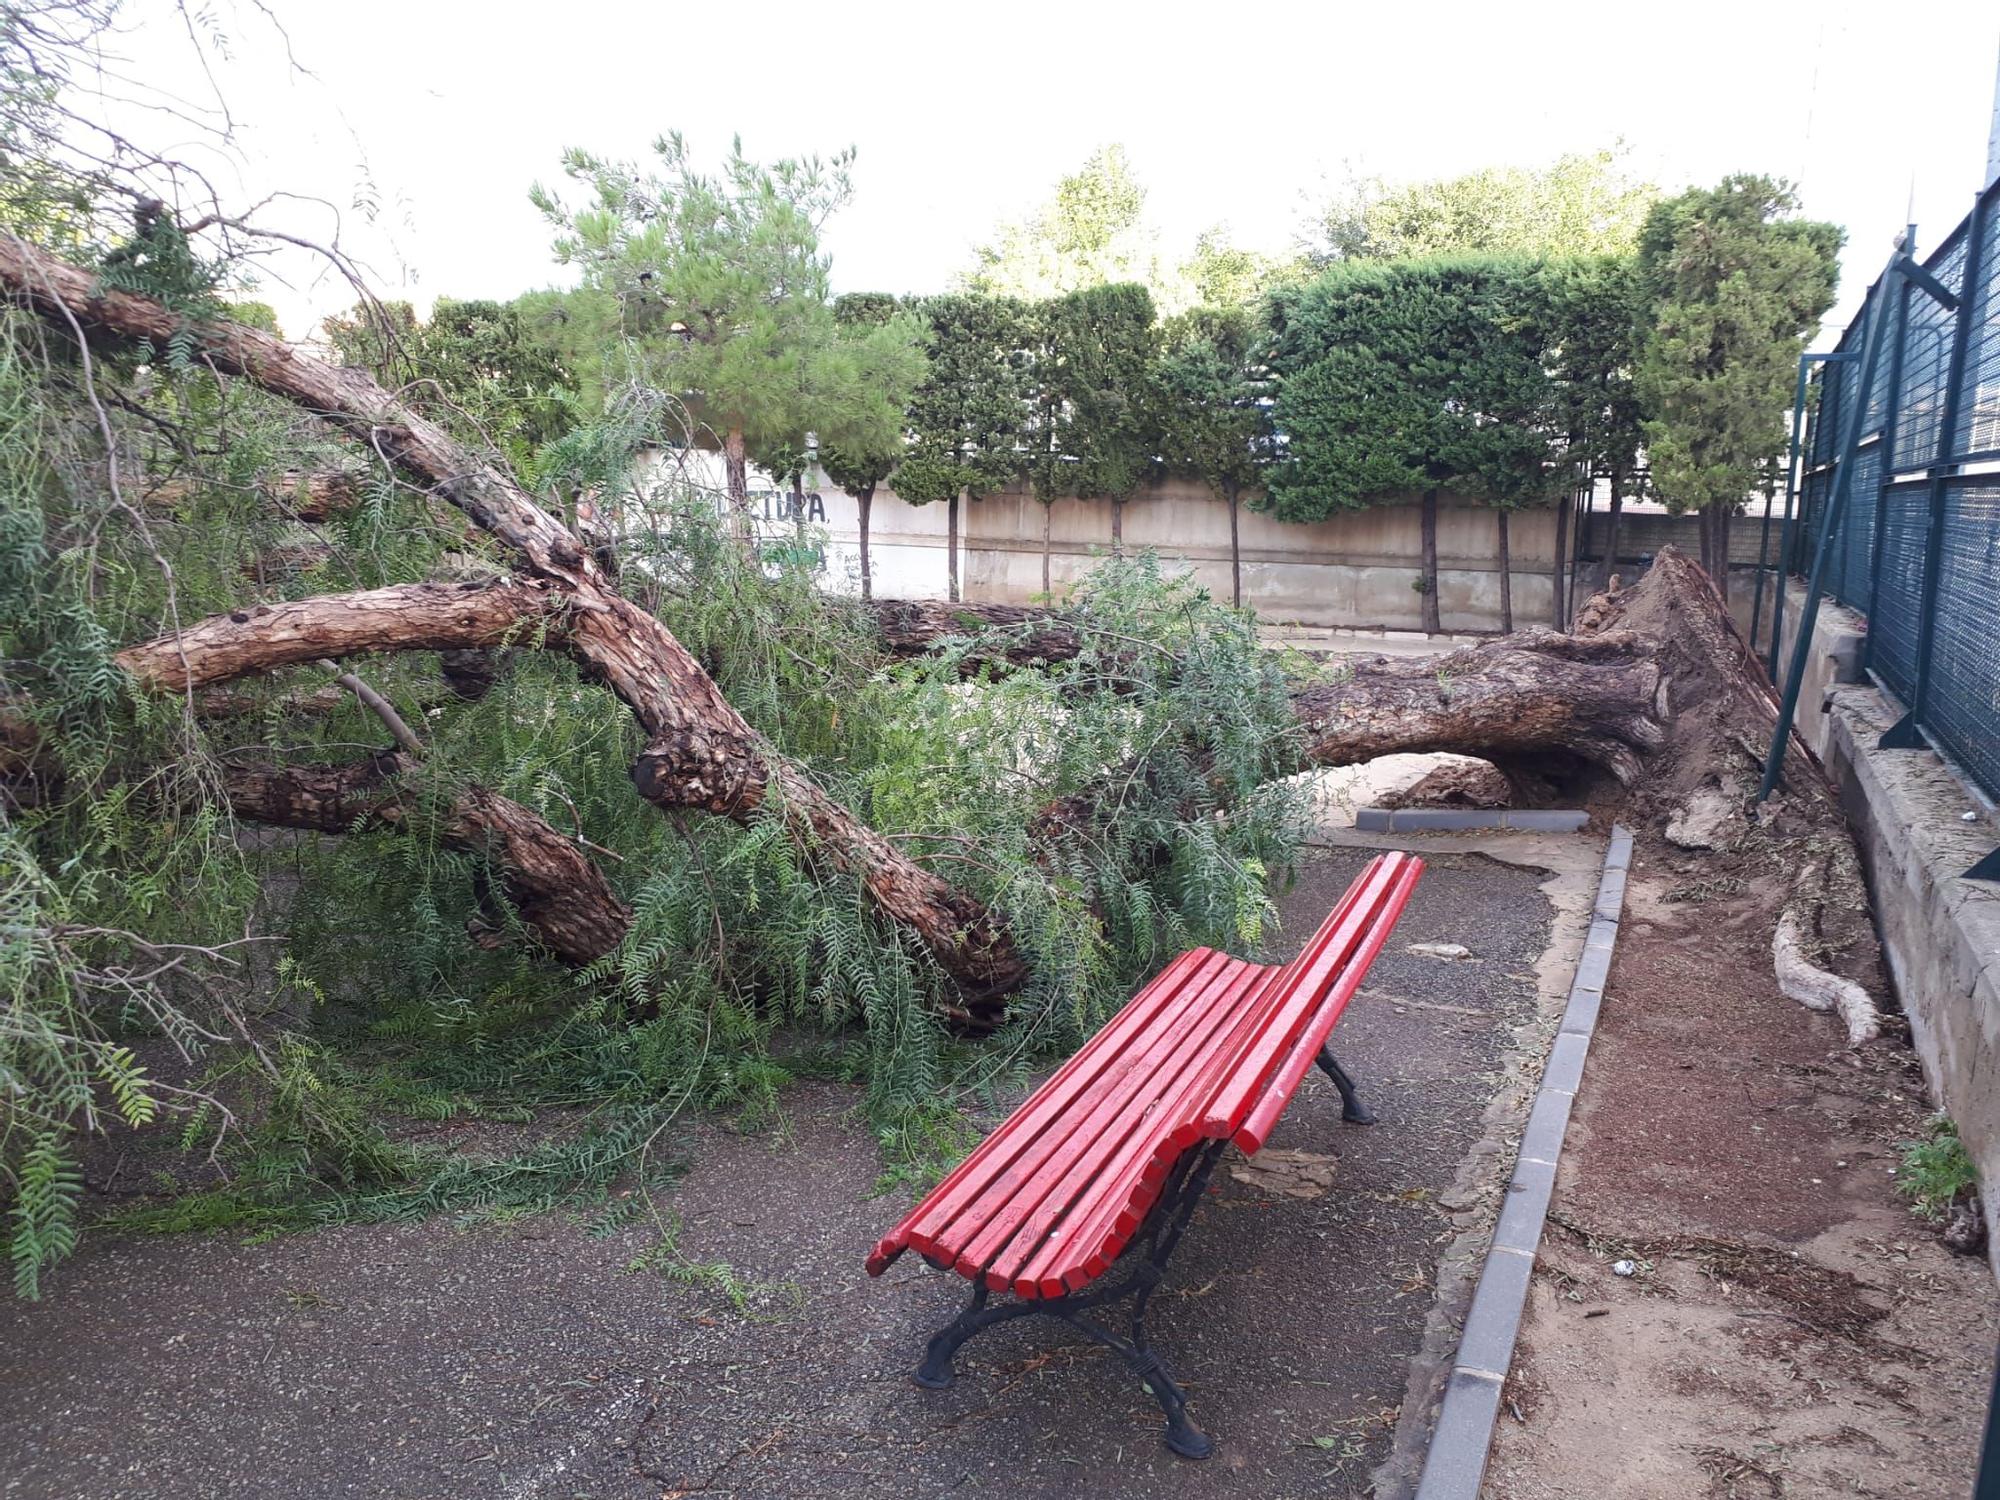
{"x":523,"y":1360}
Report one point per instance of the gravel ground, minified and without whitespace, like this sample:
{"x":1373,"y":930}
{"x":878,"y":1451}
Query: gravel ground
{"x":523,"y":1360}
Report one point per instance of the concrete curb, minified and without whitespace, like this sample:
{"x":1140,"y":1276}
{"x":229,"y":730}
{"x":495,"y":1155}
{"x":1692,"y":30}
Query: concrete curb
{"x":1468,"y":819}
{"x":1456,"y":1461}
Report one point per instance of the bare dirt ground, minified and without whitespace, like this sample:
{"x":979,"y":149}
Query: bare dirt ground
{"x":522,"y":1360}
{"x":1792,"y":1330}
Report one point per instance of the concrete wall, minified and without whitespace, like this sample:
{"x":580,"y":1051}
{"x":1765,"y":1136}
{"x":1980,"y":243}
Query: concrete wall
{"x":1940,"y":931}
{"x":1355,"y":569}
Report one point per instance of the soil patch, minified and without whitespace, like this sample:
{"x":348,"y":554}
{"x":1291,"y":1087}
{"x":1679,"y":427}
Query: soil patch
{"x":1789,"y":1329}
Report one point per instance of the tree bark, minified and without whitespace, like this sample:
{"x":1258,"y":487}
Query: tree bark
{"x":1559,"y":580}
{"x":1432,"y":615}
{"x":404,"y":617}
{"x":736,"y":475}
{"x":864,"y":502}
{"x":1506,"y":572}
{"x":1117,"y":527}
{"x":1234,"y":495}
{"x":1517,"y":696}
{"x":1034,"y":637}
{"x":701,"y":753}
{"x":1048,"y":525}
{"x":1611,"y":527}
{"x":559,"y":894}
{"x":951,"y":546}
{"x":305,"y":495}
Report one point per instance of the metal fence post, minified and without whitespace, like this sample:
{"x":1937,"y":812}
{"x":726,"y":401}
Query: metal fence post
{"x":1830,"y":526}
{"x":1891,"y":402}
{"x":1789,"y":536}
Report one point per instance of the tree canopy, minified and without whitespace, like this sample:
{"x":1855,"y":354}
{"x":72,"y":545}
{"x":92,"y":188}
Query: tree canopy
{"x":1580,"y":204}
{"x":715,"y":285}
{"x":1735,"y":285}
{"x":1396,"y":377}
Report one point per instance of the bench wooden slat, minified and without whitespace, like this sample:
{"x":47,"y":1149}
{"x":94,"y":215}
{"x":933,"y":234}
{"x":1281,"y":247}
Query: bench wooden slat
{"x":1175,"y":1088}
{"x":963,"y":1185}
{"x":1120,"y":1203}
{"x":1255,"y":1128}
{"x":1211,"y":1049}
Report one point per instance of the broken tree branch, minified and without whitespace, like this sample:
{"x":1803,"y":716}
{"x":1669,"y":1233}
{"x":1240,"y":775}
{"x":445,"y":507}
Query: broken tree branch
{"x":561,"y":896}
{"x":701,"y":752}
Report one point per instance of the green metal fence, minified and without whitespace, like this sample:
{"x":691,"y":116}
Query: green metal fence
{"x":1917,"y":549}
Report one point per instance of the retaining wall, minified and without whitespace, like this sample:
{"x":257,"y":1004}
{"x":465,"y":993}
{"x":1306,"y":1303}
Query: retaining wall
{"x":1940,"y":931}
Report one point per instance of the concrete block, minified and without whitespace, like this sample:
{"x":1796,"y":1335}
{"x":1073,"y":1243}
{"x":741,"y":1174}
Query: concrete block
{"x":1547,"y":1124}
{"x":1547,"y":820}
{"x":1580,"y":1015}
{"x":1456,"y":1462}
{"x":1486,"y":1346}
{"x":1442,"y":819}
{"x":1526,"y":1205}
{"x":1564,"y":1069}
{"x":1373,"y":819}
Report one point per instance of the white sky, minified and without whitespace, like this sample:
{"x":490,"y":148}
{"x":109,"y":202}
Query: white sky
{"x":966,"y":114}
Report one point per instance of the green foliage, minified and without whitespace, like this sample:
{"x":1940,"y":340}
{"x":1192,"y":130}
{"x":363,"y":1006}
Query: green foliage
{"x":1092,"y":231}
{"x":1398,"y":376}
{"x":1220,"y":274}
{"x":1581,"y":204}
{"x":715,"y":285}
{"x":1736,"y":285}
{"x":1936,"y":1172}
{"x":1210,"y":392}
{"x":1091,"y":433}
{"x":1596,"y":316}
{"x":885,"y":342}
{"x":484,"y":370}
{"x":967,"y":416}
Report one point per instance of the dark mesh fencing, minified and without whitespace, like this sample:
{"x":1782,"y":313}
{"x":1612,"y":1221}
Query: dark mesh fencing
{"x":1918,"y":549}
{"x":1905,"y":520}
{"x":1962,"y":707}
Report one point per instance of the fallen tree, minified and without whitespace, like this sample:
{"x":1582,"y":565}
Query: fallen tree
{"x":700,"y":752}
{"x":1604,"y":696}
{"x":1655,"y":687}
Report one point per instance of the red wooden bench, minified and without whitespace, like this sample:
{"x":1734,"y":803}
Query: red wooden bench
{"x":1116,"y":1149}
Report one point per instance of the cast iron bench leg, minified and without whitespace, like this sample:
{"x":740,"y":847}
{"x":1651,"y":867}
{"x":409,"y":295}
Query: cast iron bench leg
{"x":935,"y":1373}
{"x":1351,"y":1108}
{"x":1163,"y":1229}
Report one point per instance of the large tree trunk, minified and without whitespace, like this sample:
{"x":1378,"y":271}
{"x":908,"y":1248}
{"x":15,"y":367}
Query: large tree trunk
{"x":1432,"y":615}
{"x":1506,"y":572}
{"x":1518,"y":696}
{"x":1117,"y":527}
{"x":1015,"y":635}
{"x":1234,"y":495}
{"x":1523,"y":695}
{"x":559,"y":894}
{"x":701,"y":752}
{"x":864,"y":502}
{"x":305,"y":495}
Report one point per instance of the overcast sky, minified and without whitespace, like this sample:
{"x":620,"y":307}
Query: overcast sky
{"x":966,"y":114}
